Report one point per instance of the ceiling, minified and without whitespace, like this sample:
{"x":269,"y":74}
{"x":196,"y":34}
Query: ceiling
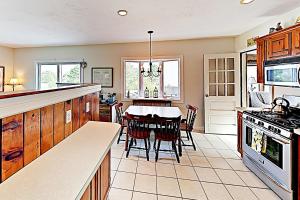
{"x":75,"y":22}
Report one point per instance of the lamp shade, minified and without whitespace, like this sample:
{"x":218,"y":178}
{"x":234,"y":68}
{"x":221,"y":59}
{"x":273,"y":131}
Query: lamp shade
{"x":14,"y":81}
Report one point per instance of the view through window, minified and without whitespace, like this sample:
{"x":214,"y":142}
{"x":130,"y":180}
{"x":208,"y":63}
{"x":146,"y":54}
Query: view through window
{"x":168,"y":83}
{"x":51,"y":74}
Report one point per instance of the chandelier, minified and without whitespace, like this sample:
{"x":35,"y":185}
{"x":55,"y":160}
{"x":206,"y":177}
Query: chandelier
{"x":150,"y":73}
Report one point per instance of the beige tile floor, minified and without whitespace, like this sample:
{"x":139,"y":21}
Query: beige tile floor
{"x":214,"y":172}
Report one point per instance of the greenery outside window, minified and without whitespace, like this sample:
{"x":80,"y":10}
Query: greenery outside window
{"x":50,"y":74}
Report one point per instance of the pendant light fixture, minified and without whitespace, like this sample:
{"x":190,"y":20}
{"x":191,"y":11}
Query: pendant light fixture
{"x":246,"y":1}
{"x":150,"y":73}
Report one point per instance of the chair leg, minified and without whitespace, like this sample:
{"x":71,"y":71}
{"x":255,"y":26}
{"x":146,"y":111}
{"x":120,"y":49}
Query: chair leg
{"x":157,"y":150}
{"x":180,"y":145}
{"x":154,"y":144}
{"x":187,"y":136}
{"x":149,"y":144}
{"x":126,"y":142}
{"x":120,"y":135}
{"x":130,"y":145}
{"x":146,"y":148}
{"x":194,"y":146}
{"x":175,"y":149}
{"x":134,"y":142}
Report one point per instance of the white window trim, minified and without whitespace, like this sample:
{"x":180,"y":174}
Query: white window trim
{"x":180,"y":58}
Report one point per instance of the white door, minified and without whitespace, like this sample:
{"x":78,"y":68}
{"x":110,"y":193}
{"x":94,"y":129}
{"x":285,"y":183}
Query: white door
{"x":222,"y":92}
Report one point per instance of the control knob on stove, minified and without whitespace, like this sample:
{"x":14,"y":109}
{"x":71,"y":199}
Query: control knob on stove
{"x":261,"y":123}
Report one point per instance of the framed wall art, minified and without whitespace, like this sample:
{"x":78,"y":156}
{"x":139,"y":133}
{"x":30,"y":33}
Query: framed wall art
{"x":103,"y":76}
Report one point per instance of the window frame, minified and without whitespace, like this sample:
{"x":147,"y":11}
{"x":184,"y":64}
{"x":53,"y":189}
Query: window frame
{"x":161,"y":59}
{"x":58,"y":65}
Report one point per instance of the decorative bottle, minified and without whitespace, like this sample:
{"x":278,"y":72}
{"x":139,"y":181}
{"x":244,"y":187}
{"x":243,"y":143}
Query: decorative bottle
{"x":146,"y":93}
{"x":155,"y":93}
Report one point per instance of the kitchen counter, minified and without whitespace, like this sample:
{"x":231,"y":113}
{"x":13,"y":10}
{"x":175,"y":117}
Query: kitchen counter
{"x":65,"y":171}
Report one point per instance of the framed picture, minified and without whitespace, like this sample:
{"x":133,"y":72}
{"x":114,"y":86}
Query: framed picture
{"x":2,"y":78}
{"x":103,"y":76}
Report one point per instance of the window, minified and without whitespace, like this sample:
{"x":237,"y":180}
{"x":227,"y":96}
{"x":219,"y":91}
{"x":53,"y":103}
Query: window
{"x":168,"y":83}
{"x":49,"y":74}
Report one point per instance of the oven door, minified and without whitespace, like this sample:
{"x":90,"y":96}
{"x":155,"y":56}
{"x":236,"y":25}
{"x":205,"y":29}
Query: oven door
{"x":283,"y":75}
{"x":269,"y":152}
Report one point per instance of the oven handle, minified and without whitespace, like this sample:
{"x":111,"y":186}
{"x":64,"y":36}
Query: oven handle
{"x":280,"y":141}
{"x":299,"y":75}
{"x":268,"y":176}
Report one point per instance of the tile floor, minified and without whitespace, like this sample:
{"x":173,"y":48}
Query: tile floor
{"x":213,"y":172}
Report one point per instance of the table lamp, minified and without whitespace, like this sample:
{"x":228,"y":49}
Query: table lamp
{"x":13,"y":82}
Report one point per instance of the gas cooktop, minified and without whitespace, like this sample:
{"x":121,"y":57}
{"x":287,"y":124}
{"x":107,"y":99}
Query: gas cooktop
{"x":290,"y":121}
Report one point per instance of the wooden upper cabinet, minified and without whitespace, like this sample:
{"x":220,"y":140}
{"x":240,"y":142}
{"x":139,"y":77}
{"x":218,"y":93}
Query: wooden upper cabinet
{"x":260,"y":60}
{"x":278,"y":45}
{"x":296,"y":42}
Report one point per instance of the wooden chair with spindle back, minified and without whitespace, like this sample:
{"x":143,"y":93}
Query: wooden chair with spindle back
{"x":138,"y":128}
{"x":187,"y":124}
{"x":120,"y":120}
{"x":167,"y":129}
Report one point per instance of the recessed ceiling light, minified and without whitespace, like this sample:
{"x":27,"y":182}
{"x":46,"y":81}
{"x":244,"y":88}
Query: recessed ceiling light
{"x":246,"y":1}
{"x":122,"y":12}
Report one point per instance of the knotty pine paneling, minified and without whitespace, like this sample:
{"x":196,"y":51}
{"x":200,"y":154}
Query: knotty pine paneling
{"x":82,"y":114}
{"x":46,"y":128}
{"x":75,"y":114}
{"x":12,"y":145}
{"x":95,"y":106}
{"x":87,"y":194}
{"x":68,"y":124}
{"x":88,"y":104}
{"x":32,"y":135}
{"x":59,"y":122}
{"x":105,"y":176}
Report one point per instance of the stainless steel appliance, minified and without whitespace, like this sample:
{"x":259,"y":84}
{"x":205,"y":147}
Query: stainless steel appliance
{"x":268,"y":148}
{"x":283,"y":72}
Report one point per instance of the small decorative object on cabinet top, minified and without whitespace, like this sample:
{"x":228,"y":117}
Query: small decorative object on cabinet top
{"x":298,"y":20}
{"x":279,"y":27}
{"x":272,"y":30}
{"x":146,"y":93}
{"x":155,"y":93}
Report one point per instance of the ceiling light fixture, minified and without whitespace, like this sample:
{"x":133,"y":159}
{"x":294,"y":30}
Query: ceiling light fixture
{"x":246,"y":1}
{"x":122,"y":12}
{"x":150,"y":73}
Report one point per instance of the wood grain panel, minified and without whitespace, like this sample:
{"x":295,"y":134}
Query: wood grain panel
{"x":95,"y":106}
{"x":88,"y":102}
{"x":75,"y":114}
{"x":31,"y":135}
{"x":87,"y":194}
{"x":12,"y":145}
{"x":296,"y":42}
{"x":99,"y":183}
{"x":260,"y":60}
{"x":59,"y":122}
{"x":105,"y":176}
{"x":82,"y":116}
{"x":94,"y":188}
{"x":68,"y":126}
{"x":46,"y":128}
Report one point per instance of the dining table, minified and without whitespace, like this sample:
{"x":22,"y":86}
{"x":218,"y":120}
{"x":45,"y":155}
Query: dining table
{"x":168,"y":112}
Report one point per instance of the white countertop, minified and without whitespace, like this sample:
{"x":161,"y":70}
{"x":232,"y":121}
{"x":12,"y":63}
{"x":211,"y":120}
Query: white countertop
{"x":65,"y":171}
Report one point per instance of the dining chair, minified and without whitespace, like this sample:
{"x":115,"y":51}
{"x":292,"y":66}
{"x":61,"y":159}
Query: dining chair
{"x":138,"y":129}
{"x":120,"y":120}
{"x":167,"y":129}
{"x":187,"y":124}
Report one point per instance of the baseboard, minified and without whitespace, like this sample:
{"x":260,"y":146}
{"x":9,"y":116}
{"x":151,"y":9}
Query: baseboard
{"x":199,"y":129}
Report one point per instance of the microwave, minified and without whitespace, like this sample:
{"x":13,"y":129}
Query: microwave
{"x":282,"y":72}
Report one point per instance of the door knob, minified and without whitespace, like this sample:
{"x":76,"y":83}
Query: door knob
{"x":206,"y":95}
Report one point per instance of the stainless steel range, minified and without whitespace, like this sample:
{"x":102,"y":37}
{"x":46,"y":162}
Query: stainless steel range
{"x":267,"y":147}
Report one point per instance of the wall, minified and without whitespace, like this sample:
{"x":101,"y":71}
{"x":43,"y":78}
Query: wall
{"x":286,"y":20}
{"x":6,"y":60}
{"x":109,"y":55}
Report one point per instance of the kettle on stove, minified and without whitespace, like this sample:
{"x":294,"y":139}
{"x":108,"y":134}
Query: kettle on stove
{"x":280,"y":106}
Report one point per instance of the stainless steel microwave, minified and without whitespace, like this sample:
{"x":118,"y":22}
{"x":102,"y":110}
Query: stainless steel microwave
{"x":283,"y":72}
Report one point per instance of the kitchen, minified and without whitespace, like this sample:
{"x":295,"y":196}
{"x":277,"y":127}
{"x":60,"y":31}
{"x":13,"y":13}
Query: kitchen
{"x":230,"y":86}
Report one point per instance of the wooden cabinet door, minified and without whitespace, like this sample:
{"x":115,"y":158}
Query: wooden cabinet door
{"x":82,"y":116}
{"x":87,"y":194}
{"x":260,"y":60}
{"x":278,"y":46}
{"x":31,"y":135}
{"x":12,"y":145}
{"x":75,"y":115}
{"x":95,"y":106}
{"x":46,"y":128}
{"x":59,"y":123}
{"x":296,"y":42}
{"x":68,"y":116}
{"x":105,"y":176}
{"x":240,"y":132}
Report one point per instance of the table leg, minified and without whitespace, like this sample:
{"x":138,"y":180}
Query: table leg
{"x":179,"y":144}
{"x":126,"y":142}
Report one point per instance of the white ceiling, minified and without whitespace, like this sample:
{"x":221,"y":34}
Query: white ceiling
{"x":72,"y":22}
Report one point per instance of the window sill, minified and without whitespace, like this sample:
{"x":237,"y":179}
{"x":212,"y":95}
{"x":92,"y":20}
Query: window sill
{"x":152,"y":99}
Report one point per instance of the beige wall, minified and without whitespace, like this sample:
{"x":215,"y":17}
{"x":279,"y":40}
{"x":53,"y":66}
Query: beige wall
{"x":110,"y":56}
{"x":287,"y":20}
{"x":6,"y":60}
